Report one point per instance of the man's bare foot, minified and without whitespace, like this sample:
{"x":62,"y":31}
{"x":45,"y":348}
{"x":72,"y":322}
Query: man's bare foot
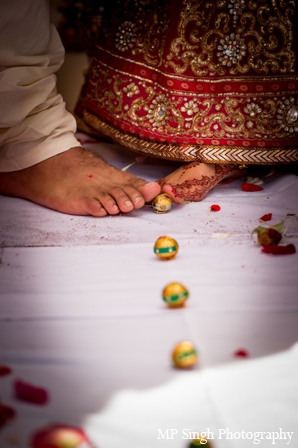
{"x":192,"y":182}
{"x":79,"y":183}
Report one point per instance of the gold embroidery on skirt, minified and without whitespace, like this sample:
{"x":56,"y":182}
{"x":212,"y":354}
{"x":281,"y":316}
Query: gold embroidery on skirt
{"x":209,"y":43}
{"x":152,"y":108}
{"x":201,"y":90}
{"x":248,"y":78}
{"x":139,"y":28}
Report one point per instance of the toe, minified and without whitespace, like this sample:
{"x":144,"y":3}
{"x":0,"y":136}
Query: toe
{"x":171,"y":191}
{"x":135,"y":196}
{"x":109,"y":204}
{"x":95,"y":208}
{"x":117,"y":201}
{"x":122,"y":199}
{"x":149,"y":190}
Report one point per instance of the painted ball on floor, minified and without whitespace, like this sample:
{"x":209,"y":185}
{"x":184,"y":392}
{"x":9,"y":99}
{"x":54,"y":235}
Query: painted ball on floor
{"x":162,"y":203}
{"x":60,"y":436}
{"x":166,"y":247}
{"x":200,"y":441}
{"x":175,"y":295}
{"x":184,"y":355}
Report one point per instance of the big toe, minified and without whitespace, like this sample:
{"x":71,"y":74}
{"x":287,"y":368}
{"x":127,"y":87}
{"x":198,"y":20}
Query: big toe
{"x":150,"y":190}
{"x":167,"y":188}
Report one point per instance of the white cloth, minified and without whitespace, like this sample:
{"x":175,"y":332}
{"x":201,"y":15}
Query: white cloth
{"x":34,"y":124}
{"x":236,"y":404}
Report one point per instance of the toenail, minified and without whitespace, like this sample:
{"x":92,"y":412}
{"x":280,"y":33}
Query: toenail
{"x":115,"y":207}
{"x":149,"y":184}
{"x":138,"y":199}
{"x":128,"y":203}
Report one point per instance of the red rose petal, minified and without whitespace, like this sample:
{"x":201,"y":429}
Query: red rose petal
{"x":29,"y":393}
{"x":226,"y":181}
{"x":85,"y":140}
{"x":251,"y":187}
{"x":266,"y":217}
{"x":241,"y":353}
{"x":6,"y":414}
{"x":279,"y":250}
{"x":215,"y":208}
{"x":59,"y":436}
{"x":4,"y":370}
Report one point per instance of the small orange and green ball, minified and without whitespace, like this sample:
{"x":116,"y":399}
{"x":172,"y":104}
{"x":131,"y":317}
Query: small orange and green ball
{"x":184,"y":355}
{"x":175,"y":295}
{"x":166,"y":247}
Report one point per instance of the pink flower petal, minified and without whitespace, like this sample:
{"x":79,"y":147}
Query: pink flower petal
{"x":266,"y":217}
{"x":251,"y":187}
{"x":6,"y":414}
{"x":4,"y":370}
{"x":59,"y":436}
{"x":279,"y":250}
{"x":241,"y":353}
{"x":215,"y":208}
{"x":30,"y":393}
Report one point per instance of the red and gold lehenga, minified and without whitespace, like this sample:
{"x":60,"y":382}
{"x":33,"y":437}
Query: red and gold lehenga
{"x":197,"y":80}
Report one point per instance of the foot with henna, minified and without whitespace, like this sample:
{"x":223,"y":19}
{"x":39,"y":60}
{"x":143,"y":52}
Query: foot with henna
{"x":192,"y":182}
{"x":77,"y":182}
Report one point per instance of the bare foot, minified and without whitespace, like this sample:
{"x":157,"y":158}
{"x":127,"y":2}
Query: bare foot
{"x":193,"y":181}
{"x":79,"y":183}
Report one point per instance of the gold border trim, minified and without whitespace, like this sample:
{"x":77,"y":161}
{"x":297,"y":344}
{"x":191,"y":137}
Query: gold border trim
{"x":224,"y":154}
